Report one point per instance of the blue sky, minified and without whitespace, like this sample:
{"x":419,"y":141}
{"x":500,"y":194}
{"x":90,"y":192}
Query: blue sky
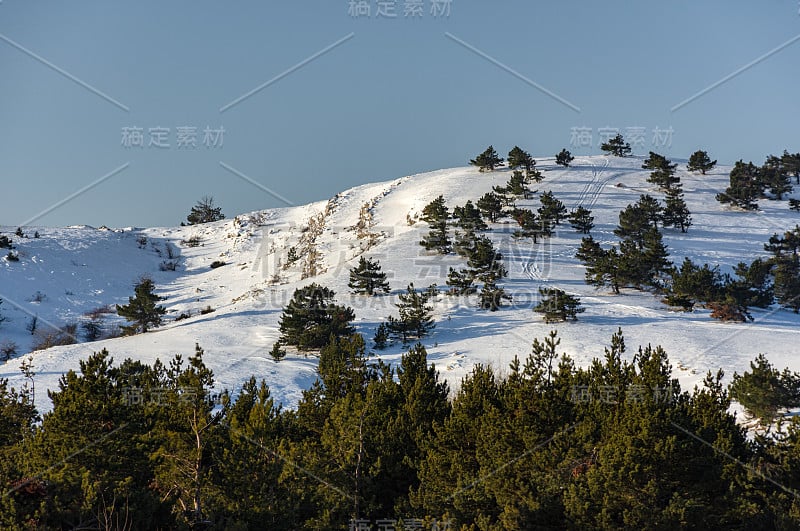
{"x":389,"y":97}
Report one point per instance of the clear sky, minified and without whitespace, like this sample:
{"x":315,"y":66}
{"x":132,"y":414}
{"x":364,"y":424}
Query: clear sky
{"x":316,"y":96}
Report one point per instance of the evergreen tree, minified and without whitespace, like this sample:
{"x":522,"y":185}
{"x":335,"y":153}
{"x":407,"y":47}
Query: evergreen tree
{"x":5,"y":242}
{"x":635,"y":220}
{"x":367,"y":278}
{"x":520,"y":159}
{"x":581,"y":220}
{"x":469,"y":218}
{"x":564,"y":157}
{"x":745,"y":187}
{"x":556,"y":305}
{"x":700,"y":161}
{"x":311,"y":318}
{"x":485,"y":261}
{"x":616,"y":146}
{"x":141,"y":309}
{"x":492,"y":296}
{"x":775,"y":177}
{"x":551,"y":210}
{"x":764,"y":391}
{"x":794,"y":204}
{"x":381,"y":336}
{"x":787,"y":281}
{"x":277,"y":353}
{"x":663,"y":174}
{"x":531,"y":226}
{"x":460,"y":282}
{"x":692,"y":284}
{"x":676,"y":213}
{"x":517,"y":187}
{"x":488,"y":160}
{"x":205,"y":212}
{"x":436,"y":215}
{"x":752,"y":286}
{"x":655,"y":161}
{"x":602,"y":266}
{"x":791,"y":161}
{"x":415,"y":319}
{"x":490,"y":206}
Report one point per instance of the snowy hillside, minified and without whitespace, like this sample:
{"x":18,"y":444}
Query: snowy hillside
{"x":67,"y":272}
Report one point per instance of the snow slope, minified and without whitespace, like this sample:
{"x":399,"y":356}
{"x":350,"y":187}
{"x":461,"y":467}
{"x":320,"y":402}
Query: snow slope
{"x":77,"y":269}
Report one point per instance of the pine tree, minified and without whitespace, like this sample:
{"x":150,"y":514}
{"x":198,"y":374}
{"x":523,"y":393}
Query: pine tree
{"x":5,"y":242}
{"x":564,"y":157}
{"x":488,"y":160}
{"x":311,"y":318}
{"x":616,"y":146}
{"x":700,"y":161}
{"x":556,"y":305}
{"x":602,"y":267}
{"x":469,"y":218}
{"x":516,"y":186}
{"x":367,"y":278}
{"x":485,"y":261}
{"x":581,"y":220}
{"x":531,"y":226}
{"x":141,"y":309}
{"x":436,"y":215}
{"x":764,"y":391}
{"x":634,"y":221}
{"x":381,"y":336}
{"x":552,"y":210}
{"x":519,"y":158}
{"x":415,"y":319}
{"x":791,"y":161}
{"x":745,"y":187}
{"x":490,"y":206}
{"x":460,"y":282}
{"x":277,"y":353}
{"x":663,"y":174}
{"x":775,"y":177}
{"x":676,"y":213}
{"x":492,"y":296}
{"x":205,"y":212}
{"x":787,"y":281}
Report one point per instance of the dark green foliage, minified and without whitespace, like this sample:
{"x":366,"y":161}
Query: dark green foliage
{"x":663,"y":174}
{"x":460,"y":282}
{"x":745,"y":187}
{"x":205,"y":212}
{"x":19,"y":232}
{"x":142,"y":310}
{"x":616,"y":146}
{"x":787,"y":281}
{"x":696,"y":284}
{"x":556,"y":305}
{"x":531,"y":226}
{"x":415,"y":319}
{"x":381,"y":336}
{"x":764,"y":391}
{"x":490,"y":206}
{"x":775,"y":177}
{"x":581,"y":220}
{"x":752,"y":286}
{"x":491,"y":296}
{"x":791,"y":161}
{"x":564,"y":157}
{"x":676,"y":214}
{"x":5,"y":242}
{"x":552,"y":210}
{"x":277,"y":353}
{"x":520,"y":159}
{"x":469,"y":218}
{"x":700,"y":161}
{"x":614,"y":445}
{"x":311,"y":318}
{"x":602,"y":266}
{"x":486,"y":262}
{"x":367,"y":277}
{"x":794,"y":204}
{"x":517,"y":186}
{"x":637,"y":219}
{"x":488,"y":160}
{"x":436,"y":215}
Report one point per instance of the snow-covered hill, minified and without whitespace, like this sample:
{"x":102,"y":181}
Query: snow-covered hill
{"x":67,"y":272}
